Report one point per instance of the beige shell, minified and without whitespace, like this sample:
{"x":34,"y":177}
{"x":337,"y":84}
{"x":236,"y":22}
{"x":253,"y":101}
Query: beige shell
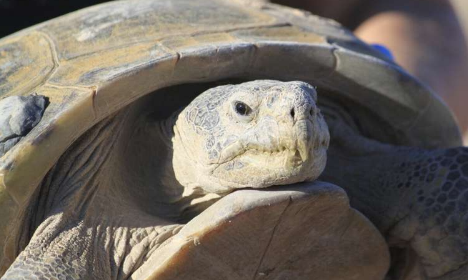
{"x":93,"y":62}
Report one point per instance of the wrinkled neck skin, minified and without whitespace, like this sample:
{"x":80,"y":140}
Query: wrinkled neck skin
{"x":375,"y":181}
{"x":187,"y":197}
{"x":366,"y":169}
{"x":98,"y":213}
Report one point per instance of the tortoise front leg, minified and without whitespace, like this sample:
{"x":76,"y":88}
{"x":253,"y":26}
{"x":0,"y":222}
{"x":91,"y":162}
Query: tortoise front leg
{"x":415,"y":196}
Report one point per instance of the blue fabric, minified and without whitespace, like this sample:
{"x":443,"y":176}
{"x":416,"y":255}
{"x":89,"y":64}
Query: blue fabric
{"x":383,"y":50}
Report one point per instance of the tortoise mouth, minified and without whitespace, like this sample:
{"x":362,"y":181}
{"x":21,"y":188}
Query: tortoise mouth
{"x":270,"y":168}
{"x":278,"y":163}
{"x":280,"y":158}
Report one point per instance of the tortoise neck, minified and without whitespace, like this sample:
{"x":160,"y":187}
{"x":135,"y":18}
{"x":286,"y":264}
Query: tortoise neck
{"x":370,"y":172}
{"x":375,"y":182}
{"x":166,"y":129}
{"x":193,"y":198}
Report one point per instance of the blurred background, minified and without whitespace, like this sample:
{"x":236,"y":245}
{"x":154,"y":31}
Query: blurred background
{"x":462,"y":11}
{"x":426,"y":37}
{"x":18,"y":14}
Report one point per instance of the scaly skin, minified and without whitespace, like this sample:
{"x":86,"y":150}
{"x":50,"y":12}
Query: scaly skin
{"x":414,"y":196}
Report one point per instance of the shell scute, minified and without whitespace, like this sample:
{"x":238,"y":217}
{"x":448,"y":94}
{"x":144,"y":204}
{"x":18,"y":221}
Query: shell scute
{"x":123,"y":23}
{"x":25,"y":63}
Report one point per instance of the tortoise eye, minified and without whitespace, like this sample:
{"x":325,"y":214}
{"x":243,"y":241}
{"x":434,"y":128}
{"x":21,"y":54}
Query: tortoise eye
{"x":242,"y":108}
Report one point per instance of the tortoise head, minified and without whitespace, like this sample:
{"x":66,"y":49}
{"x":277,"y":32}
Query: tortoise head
{"x":256,"y":134}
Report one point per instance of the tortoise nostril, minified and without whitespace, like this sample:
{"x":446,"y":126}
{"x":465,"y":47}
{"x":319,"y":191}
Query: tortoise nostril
{"x":312,"y":111}
{"x":292,"y":113}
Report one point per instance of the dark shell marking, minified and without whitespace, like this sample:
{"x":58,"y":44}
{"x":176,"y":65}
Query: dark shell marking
{"x":18,"y":116}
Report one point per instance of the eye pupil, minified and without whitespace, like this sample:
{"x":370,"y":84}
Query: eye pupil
{"x":242,"y":109}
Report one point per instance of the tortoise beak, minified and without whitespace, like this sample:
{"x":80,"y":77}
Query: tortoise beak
{"x":303,"y":132}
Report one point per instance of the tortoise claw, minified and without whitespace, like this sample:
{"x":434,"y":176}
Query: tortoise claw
{"x":18,"y":115}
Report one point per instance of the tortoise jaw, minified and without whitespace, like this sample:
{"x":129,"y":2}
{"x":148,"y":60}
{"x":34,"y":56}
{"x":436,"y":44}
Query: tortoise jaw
{"x":273,"y":166}
{"x":252,"y":148}
{"x":237,"y":150}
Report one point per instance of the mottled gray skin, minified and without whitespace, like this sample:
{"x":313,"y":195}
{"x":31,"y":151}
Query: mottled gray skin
{"x":117,"y":193}
{"x":283,"y":139}
{"x":416,"y":197}
{"x":18,"y":115}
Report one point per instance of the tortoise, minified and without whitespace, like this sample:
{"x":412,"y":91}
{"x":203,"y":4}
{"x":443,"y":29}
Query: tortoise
{"x":92,"y":186}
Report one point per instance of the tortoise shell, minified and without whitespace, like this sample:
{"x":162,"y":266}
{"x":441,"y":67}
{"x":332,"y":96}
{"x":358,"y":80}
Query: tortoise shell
{"x":93,"y":62}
